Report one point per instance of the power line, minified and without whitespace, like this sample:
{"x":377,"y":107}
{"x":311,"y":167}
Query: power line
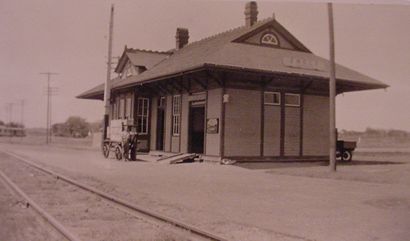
{"x":49,"y":92}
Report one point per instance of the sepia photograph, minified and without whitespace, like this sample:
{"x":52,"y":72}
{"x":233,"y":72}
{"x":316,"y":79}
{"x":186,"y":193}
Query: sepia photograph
{"x":216,"y":120}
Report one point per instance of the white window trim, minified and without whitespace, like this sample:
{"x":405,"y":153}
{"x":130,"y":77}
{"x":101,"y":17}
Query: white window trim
{"x":274,"y":93}
{"x":293,"y":105}
{"x":121,"y":108}
{"x":176,"y":115}
{"x":273,"y":36}
{"x":144,"y":116}
{"x":129,"y":107}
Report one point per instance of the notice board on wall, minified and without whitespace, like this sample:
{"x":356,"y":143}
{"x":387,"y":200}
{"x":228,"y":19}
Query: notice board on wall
{"x":212,"y":125}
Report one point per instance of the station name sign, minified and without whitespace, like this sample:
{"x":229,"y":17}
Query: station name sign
{"x":303,"y":63}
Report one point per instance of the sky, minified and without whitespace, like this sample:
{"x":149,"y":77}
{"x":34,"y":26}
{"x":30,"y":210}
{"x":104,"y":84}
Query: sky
{"x":69,"y":37}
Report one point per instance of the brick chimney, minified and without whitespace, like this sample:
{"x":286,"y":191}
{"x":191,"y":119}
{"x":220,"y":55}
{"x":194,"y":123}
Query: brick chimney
{"x":181,"y":37}
{"x":251,"y":13}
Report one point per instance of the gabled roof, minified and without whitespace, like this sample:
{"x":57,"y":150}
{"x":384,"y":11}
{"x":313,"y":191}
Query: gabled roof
{"x":140,"y":57}
{"x":225,"y":50}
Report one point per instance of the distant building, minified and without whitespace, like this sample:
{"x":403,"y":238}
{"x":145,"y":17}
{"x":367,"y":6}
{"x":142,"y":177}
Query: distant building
{"x":253,"y":92}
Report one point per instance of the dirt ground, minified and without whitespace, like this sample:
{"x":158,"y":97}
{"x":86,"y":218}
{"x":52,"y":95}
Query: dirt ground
{"x":17,"y":222}
{"x":368,"y":199}
{"x":372,"y":167}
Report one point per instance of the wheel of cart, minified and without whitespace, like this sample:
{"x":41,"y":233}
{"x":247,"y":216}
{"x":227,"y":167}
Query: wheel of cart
{"x":118,"y":152}
{"x":121,"y":139}
{"x":347,"y":155}
{"x":106,"y":149}
{"x":344,"y":150}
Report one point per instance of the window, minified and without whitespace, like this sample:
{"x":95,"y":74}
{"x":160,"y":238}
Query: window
{"x":128,"y":107}
{"x":114,"y":111}
{"x":121,"y":109}
{"x":176,"y":115}
{"x":272,"y":98}
{"x":292,"y":100}
{"x":142,"y":115}
{"x":269,"y":39}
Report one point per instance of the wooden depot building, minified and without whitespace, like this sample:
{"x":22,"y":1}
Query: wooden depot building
{"x":254,"y":92}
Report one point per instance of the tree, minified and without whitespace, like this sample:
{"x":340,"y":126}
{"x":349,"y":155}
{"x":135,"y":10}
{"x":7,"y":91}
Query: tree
{"x":60,"y":129}
{"x":77,"y":126}
{"x":14,"y":124}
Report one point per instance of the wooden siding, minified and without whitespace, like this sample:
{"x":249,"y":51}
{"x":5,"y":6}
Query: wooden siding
{"x":184,"y":122}
{"x":292,"y":131}
{"x":168,"y":123}
{"x":315,"y":125}
{"x":153,"y":124}
{"x":214,"y":107}
{"x":271,"y":145}
{"x":242,"y":123}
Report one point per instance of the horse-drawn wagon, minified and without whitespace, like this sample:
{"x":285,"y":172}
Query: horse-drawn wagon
{"x":122,"y":139}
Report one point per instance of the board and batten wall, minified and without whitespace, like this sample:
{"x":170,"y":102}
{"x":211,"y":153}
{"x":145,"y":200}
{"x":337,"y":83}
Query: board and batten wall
{"x":272,"y":119}
{"x":243,"y":126}
{"x":315,"y":125}
{"x":153,"y":124}
{"x":242,"y":123}
{"x":213,"y":110}
{"x":292,"y":131}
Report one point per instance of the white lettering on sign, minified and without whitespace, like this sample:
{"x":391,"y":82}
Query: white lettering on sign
{"x":302,"y":63}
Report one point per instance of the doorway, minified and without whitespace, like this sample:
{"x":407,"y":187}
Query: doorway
{"x":160,"y":123}
{"x":196,"y":127}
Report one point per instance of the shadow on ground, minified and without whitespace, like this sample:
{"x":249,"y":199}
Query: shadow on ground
{"x":288,"y":164}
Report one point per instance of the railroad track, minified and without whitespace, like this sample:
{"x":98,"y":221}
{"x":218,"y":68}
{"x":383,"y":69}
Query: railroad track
{"x":130,"y":213}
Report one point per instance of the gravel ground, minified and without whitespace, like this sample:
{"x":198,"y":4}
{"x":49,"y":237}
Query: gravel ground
{"x":17,"y":222}
{"x":85,"y":215}
{"x":273,"y":203}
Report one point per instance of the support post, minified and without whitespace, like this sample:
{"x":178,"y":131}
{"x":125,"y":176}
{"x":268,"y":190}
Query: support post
{"x":107,"y":87}
{"x":332,"y":93}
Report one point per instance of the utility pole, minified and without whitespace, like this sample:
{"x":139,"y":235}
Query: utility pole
{"x":22,"y":103}
{"x":9,"y":110}
{"x":48,"y":117}
{"x":332,"y":93}
{"x":107,"y":88}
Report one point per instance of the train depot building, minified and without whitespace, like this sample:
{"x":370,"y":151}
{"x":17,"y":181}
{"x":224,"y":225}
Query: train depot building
{"x":251,"y":93}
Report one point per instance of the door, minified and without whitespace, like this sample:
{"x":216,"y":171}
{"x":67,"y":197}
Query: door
{"x":160,"y":123}
{"x":196,"y":128}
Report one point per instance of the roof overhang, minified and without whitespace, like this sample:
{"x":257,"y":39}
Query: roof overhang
{"x":343,"y":85}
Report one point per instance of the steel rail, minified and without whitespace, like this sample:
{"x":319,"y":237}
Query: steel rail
{"x":56,"y":224}
{"x":122,"y":202}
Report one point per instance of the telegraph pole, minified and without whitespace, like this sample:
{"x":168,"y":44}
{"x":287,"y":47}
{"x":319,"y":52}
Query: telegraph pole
{"x":48,"y":117}
{"x":22,"y":102}
{"x":9,"y":110}
{"x":107,"y":88}
{"x":332,"y":93}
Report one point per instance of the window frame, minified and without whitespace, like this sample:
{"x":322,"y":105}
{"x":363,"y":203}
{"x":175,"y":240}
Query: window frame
{"x":143,"y":115}
{"x":176,"y":115}
{"x":262,"y":42}
{"x":128,"y":109}
{"x":292,"y":105}
{"x":273,"y":93}
{"x":121,"y":108}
